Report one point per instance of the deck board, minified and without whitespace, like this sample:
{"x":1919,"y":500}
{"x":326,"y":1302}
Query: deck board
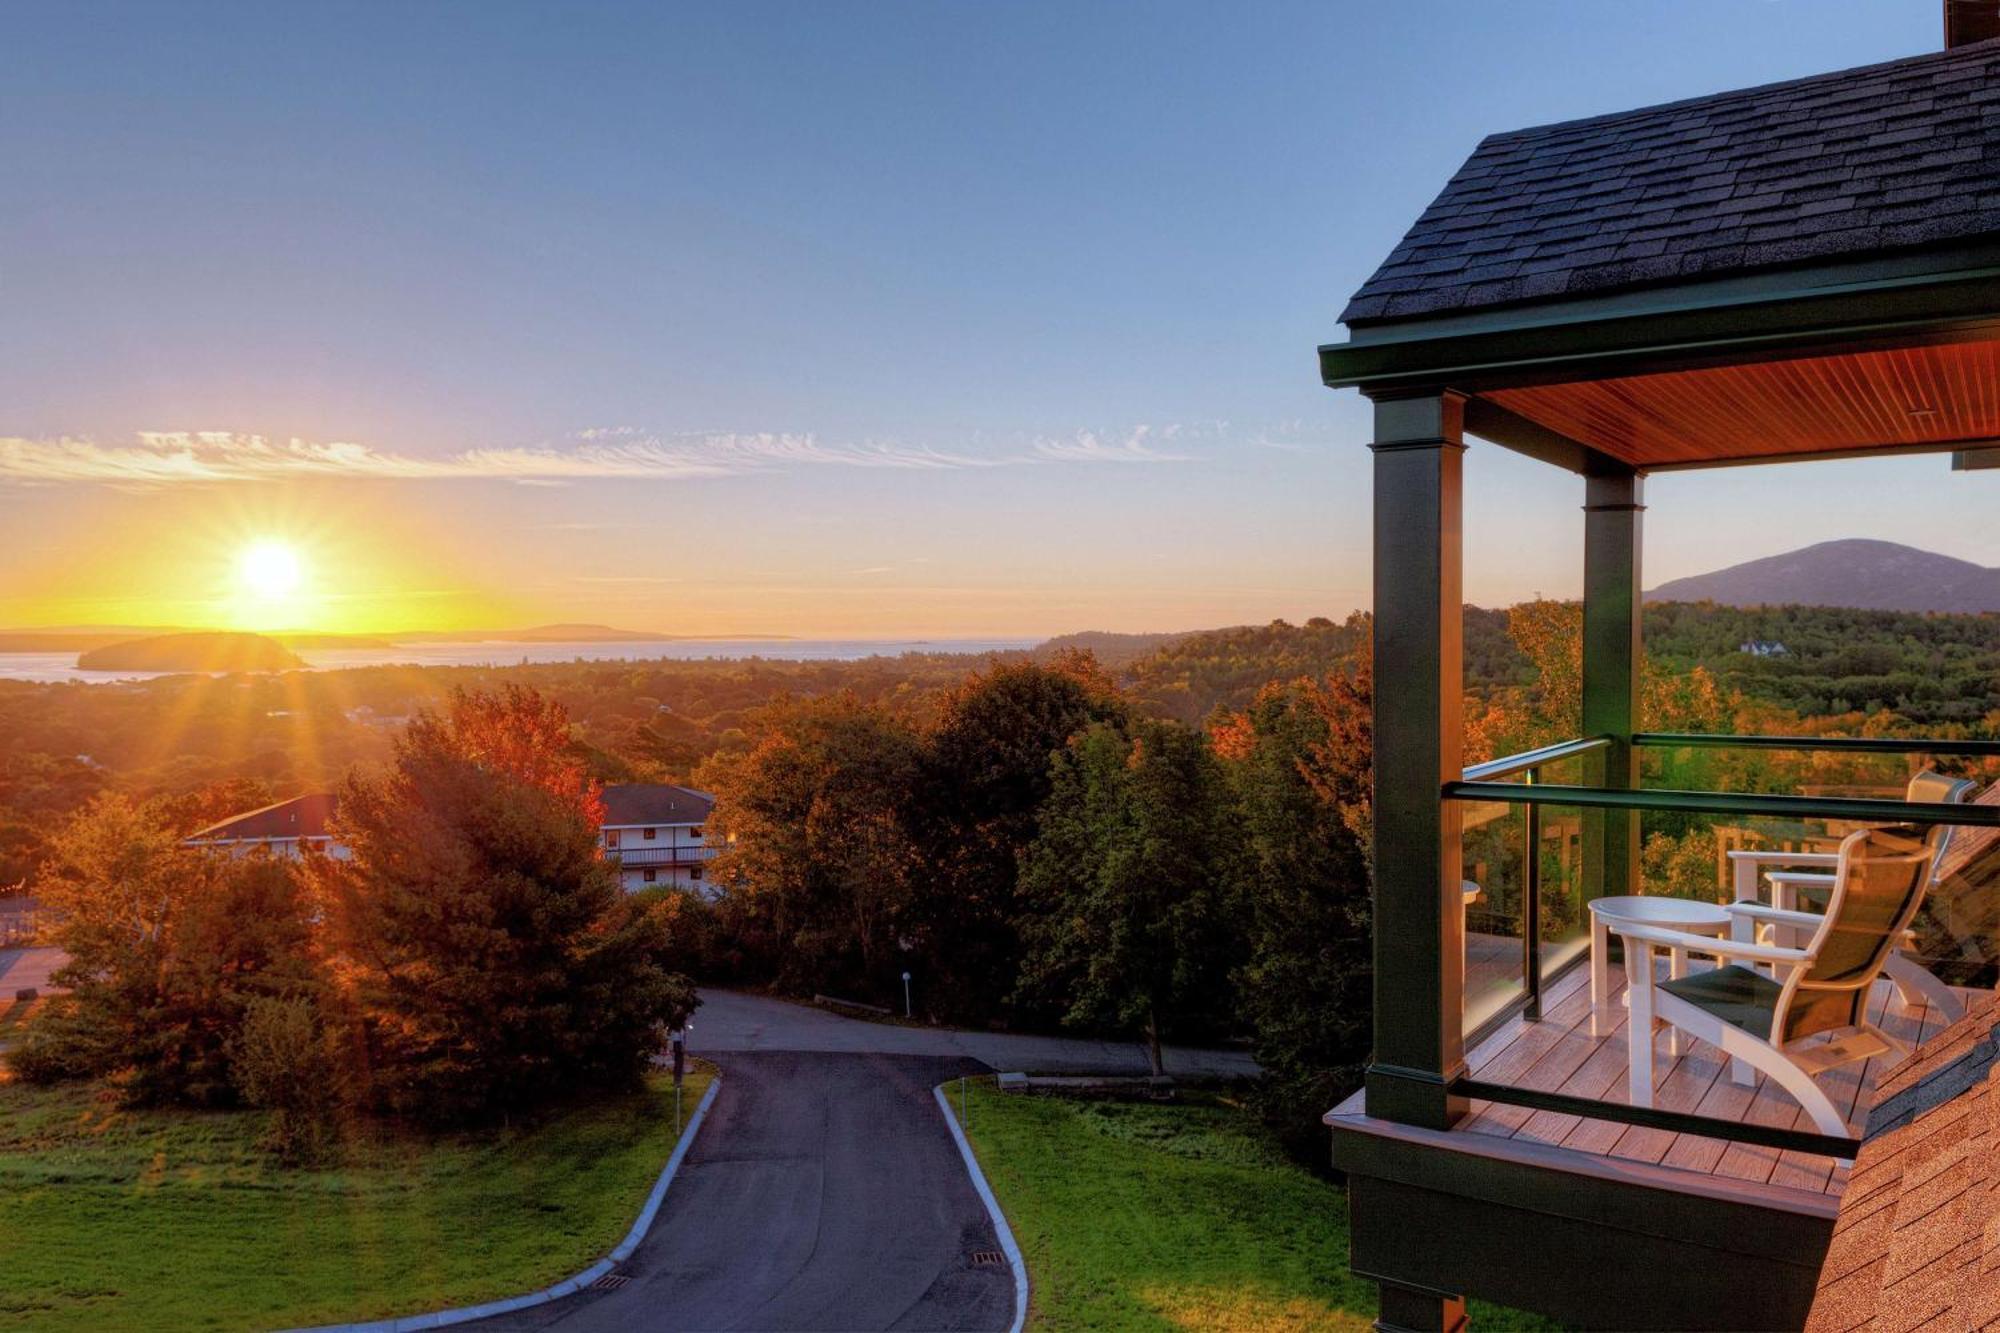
{"x":1560,"y":1054}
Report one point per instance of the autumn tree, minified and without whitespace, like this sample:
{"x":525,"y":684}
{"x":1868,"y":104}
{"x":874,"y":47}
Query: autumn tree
{"x":1126,"y":920}
{"x":491,"y":960}
{"x":167,"y":946}
{"x":986,"y":774}
{"x":1299,"y":761}
{"x":818,"y":863}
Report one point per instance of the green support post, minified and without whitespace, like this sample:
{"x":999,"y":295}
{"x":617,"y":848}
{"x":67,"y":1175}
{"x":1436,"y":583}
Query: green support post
{"x":1419,"y":739}
{"x":1612,"y":512}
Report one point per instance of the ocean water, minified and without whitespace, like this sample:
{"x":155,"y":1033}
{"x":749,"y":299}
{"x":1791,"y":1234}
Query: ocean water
{"x":62,"y":666}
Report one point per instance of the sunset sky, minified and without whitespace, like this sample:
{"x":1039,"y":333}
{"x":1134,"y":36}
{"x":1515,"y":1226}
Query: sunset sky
{"x":818,"y":319}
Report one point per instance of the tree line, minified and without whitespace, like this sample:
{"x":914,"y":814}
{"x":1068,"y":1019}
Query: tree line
{"x":472,"y":955}
{"x":1039,"y":852}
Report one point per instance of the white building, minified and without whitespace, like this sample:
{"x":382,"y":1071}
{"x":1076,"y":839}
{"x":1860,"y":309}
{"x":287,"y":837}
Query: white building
{"x":657,"y":835}
{"x":653,"y":832}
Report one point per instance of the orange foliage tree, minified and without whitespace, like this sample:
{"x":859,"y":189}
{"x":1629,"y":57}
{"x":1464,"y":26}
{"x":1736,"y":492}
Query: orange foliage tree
{"x":489,"y":955}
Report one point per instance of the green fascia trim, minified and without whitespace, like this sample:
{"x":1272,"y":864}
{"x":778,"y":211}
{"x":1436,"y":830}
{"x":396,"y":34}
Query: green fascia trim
{"x":1907,"y":299}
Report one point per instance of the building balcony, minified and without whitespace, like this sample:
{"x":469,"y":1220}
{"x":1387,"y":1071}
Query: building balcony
{"x":657,"y":855}
{"x":1540,"y":1180}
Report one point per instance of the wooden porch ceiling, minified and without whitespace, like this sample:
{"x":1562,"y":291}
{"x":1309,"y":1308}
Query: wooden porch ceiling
{"x":1919,"y":398}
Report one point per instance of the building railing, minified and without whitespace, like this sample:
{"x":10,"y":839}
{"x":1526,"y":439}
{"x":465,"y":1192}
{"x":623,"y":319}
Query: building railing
{"x":1483,"y":783}
{"x":684,"y":854}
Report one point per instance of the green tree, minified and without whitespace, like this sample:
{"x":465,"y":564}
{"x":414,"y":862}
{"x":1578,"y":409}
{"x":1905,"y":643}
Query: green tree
{"x":818,"y":863}
{"x":986,"y":774}
{"x":491,"y":960}
{"x":167,"y":945}
{"x":1299,"y":761}
{"x":1127,"y":921}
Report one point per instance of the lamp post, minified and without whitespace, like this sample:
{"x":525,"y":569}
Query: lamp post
{"x":906,"y":994}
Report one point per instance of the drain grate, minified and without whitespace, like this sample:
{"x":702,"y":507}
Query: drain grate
{"x":987,"y":1258}
{"x":610,"y":1282}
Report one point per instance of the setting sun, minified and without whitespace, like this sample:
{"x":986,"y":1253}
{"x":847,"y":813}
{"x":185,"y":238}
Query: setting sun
{"x":269,"y":569}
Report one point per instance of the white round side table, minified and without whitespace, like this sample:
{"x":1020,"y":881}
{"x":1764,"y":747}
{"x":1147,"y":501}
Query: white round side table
{"x":1673,"y":913}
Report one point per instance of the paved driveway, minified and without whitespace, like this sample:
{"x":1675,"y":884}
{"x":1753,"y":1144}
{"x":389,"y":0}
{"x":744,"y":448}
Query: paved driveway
{"x":824,"y":1192}
{"x":21,"y":968}
{"x":731,"y":1021}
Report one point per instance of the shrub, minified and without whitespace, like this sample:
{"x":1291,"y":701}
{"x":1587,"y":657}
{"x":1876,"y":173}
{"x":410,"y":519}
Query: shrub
{"x":283,"y":1060}
{"x":66,"y":1041}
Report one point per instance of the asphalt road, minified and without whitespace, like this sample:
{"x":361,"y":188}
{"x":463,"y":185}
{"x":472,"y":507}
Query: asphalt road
{"x":21,"y":968}
{"x":823,"y":1192}
{"x":732,"y":1021}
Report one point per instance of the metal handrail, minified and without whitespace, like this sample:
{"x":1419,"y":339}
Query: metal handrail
{"x":1868,"y":809}
{"x":1864,"y":744}
{"x":1529,"y":760}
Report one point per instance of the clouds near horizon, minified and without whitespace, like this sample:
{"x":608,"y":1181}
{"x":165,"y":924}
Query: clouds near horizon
{"x":160,"y":458}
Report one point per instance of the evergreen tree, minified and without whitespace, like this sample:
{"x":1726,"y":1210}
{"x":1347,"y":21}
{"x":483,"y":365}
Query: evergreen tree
{"x":490,"y":957}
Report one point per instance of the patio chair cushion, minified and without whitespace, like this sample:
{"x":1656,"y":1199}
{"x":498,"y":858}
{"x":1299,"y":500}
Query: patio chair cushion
{"x":1736,"y":995}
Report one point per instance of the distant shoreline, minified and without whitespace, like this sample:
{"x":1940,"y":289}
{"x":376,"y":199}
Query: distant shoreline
{"x":59,"y":666}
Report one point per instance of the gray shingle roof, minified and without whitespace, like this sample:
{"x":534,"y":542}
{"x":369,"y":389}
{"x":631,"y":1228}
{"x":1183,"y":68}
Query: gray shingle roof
{"x":1879,"y":158}
{"x":629,"y":803}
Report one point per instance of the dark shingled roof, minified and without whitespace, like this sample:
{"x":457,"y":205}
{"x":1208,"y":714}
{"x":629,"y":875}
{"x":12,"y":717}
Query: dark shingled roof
{"x":300,"y":817}
{"x":1917,"y":1244}
{"x":1872,"y":159}
{"x":628,"y":803}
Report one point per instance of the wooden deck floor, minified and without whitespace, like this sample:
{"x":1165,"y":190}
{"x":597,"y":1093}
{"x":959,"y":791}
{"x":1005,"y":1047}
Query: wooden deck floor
{"x":1559,"y":1054}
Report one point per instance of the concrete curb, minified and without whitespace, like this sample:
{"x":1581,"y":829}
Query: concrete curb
{"x":1000,"y":1227}
{"x":569,"y":1286}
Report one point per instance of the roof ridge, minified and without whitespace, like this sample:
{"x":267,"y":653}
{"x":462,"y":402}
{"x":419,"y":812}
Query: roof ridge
{"x":260,"y":810}
{"x":1754,"y":90}
{"x":1875,"y":159}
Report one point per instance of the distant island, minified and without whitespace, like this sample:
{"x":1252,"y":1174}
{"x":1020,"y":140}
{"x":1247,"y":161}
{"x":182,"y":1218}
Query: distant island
{"x":192,"y":652}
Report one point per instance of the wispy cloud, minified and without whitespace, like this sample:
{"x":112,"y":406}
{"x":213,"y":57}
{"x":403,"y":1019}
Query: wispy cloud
{"x":176,"y":457}
{"x":1089,"y":447}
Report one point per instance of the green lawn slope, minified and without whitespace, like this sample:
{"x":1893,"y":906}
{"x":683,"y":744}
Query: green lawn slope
{"x":1176,"y":1216}
{"x":113,"y":1219}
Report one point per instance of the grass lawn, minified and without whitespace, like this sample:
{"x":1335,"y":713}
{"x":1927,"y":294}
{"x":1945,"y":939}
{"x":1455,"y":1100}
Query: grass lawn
{"x":1177,"y":1216}
{"x":114,"y":1219}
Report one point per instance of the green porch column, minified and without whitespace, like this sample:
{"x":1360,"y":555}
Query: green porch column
{"x":1612,"y":511}
{"x":1419,"y":739}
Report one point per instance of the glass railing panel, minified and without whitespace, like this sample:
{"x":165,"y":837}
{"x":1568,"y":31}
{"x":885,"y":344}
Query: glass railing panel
{"x":1494,"y":906}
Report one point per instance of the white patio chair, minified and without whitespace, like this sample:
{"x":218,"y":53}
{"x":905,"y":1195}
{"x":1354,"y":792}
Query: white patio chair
{"x":1913,"y":981}
{"x":1822,"y":988}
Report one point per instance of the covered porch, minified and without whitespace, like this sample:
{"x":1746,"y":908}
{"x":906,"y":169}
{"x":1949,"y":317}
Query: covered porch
{"x":1730,"y":281}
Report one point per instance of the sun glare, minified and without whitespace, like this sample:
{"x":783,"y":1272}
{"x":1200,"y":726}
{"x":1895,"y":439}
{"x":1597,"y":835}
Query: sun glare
{"x":270,"y":569}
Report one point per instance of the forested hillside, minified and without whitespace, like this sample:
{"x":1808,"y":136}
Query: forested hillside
{"x":275,"y":735}
{"x":1811,"y":660}
{"x":1191,"y":677}
{"x":1817,"y":660}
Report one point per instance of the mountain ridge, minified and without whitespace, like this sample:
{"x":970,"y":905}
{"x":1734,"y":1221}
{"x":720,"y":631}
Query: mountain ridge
{"x":1855,"y":572}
